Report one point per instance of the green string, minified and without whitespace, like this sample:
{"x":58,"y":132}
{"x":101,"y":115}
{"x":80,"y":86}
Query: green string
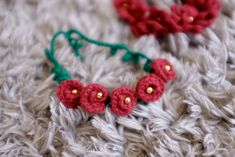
{"x":77,"y":43}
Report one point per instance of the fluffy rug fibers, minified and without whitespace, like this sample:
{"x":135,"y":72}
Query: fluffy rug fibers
{"x":195,"y":116}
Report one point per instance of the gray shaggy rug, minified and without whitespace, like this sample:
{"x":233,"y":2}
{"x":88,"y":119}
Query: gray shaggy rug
{"x":195,"y":116}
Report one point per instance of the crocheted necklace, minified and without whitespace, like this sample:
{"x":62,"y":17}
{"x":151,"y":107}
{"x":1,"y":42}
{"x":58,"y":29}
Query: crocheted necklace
{"x":192,"y":16}
{"x":93,"y":98}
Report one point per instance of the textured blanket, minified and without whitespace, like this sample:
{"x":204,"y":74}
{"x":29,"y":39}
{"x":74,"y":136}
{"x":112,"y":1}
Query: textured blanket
{"x":195,"y":116}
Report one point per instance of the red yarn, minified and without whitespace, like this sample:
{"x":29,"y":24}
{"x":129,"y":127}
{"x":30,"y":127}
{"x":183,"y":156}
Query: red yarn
{"x":205,"y":5}
{"x":193,"y":16}
{"x":64,"y":93}
{"x":151,"y":25}
{"x":92,"y":98}
{"x":183,"y":16}
{"x":208,"y":10}
{"x":153,"y":81}
{"x":127,"y":9}
{"x":118,"y":104}
{"x":89,"y":100}
{"x":159,"y":66}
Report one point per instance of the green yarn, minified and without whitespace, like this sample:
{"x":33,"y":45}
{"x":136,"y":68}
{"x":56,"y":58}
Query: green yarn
{"x":147,"y":66}
{"x":77,"y":43}
{"x":61,"y":74}
{"x":143,"y":103}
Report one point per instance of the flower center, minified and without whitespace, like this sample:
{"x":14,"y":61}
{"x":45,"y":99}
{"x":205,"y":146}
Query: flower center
{"x":167,"y":67}
{"x":190,"y":19}
{"x":74,"y":91}
{"x":99,"y":95}
{"x":127,"y":100}
{"x":149,"y":90}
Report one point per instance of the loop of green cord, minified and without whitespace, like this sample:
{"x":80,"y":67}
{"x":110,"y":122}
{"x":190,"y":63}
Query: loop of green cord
{"x":76,"y":43}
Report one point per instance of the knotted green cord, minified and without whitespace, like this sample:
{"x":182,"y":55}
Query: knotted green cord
{"x":62,"y":74}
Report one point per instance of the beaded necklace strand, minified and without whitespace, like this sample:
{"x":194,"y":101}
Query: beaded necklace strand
{"x":93,"y":98}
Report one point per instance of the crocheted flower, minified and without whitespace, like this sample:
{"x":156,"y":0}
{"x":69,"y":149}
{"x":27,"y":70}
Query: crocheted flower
{"x":158,"y":23}
{"x":122,"y":101}
{"x":163,"y":69}
{"x":155,"y":23}
{"x":164,"y":19}
{"x":69,"y":92}
{"x":186,"y":17}
{"x":131,"y":10}
{"x":149,"y":88}
{"x":208,"y":10}
{"x":93,"y":98}
{"x":147,"y":27}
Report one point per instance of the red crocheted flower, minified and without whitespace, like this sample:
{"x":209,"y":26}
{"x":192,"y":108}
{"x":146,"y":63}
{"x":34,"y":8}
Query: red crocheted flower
{"x":122,"y":101}
{"x":131,"y":10}
{"x":165,"y":20}
{"x":93,"y":98}
{"x":163,"y":69}
{"x":148,"y":27}
{"x":186,"y":17}
{"x":208,"y":11}
{"x":150,"y":88}
{"x":69,"y":92}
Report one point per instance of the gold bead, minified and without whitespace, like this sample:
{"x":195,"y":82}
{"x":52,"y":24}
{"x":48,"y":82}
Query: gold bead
{"x":149,"y":90}
{"x":127,"y":100}
{"x":74,"y":91}
{"x":167,"y":67}
{"x":191,"y":19}
{"x":99,"y":95}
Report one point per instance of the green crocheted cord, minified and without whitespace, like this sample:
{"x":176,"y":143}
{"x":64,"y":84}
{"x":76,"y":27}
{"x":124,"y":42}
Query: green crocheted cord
{"x":77,"y":43}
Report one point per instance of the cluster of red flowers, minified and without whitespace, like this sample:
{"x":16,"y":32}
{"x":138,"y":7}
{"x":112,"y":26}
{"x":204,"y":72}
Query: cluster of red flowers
{"x":193,"y":16}
{"x":93,"y":98}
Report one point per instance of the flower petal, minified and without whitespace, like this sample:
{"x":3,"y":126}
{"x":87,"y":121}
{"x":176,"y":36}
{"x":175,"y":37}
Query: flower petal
{"x":163,"y":69}
{"x":152,"y":82}
{"x":69,"y":92}
{"x":91,"y":101}
{"x":119,"y":104}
